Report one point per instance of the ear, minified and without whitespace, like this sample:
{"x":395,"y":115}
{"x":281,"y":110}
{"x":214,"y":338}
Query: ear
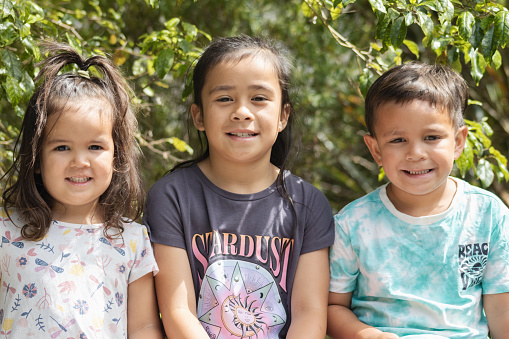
{"x":372,"y":144}
{"x":459,"y":141}
{"x":197,"y":115}
{"x":283,"y":119}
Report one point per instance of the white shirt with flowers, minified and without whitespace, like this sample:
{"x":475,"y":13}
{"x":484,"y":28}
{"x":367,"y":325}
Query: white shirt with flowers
{"x":72,"y":283}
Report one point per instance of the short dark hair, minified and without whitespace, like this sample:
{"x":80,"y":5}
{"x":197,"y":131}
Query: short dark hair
{"x":436,"y":84}
{"x":124,"y":197}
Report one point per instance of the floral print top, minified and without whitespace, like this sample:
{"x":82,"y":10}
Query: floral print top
{"x":72,"y":283}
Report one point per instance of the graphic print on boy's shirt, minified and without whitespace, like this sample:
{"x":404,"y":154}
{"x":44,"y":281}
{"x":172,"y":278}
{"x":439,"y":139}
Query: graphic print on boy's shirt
{"x":472,"y":261}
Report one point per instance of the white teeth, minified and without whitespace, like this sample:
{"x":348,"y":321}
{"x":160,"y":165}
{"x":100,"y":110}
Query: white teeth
{"x":242,"y":135}
{"x":79,"y":179}
{"x":419,"y":172}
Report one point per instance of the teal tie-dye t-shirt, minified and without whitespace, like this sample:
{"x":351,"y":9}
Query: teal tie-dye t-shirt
{"x":422,"y":275}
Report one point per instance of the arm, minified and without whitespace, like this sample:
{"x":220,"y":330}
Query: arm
{"x":309,"y":296}
{"x":175,"y":294}
{"x":342,"y":322}
{"x":142,"y":315}
{"x":496,"y":307}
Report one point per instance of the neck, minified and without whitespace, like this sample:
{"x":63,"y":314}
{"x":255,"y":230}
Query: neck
{"x":428,"y":204}
{"x":240,"y":178}
{"x":86,"y":215}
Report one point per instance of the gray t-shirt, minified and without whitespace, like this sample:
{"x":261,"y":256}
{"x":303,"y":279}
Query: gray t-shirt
{"x":242,"y":278}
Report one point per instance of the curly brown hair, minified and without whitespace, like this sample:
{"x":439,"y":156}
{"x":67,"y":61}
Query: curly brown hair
{"x":123,"y":200}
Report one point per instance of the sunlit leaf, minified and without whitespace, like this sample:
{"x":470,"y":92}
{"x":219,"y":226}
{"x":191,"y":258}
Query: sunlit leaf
{"x":501,"y":28}
{"x":12,"y":64}
{"x":398,"y":32}
{"x":484,"y":172}
{"x":412,"y":46}
{"x":425,"y":22}
{"x":478,"y":65}
{"x":465,"y":25}
{"x":378,"y":5}
{"x":164,"y":61}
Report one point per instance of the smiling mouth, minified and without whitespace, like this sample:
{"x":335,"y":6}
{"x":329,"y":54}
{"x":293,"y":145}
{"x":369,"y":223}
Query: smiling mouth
{"x":418,"y":172}
{"x":242,"y":135}
{"x":79,"y":179}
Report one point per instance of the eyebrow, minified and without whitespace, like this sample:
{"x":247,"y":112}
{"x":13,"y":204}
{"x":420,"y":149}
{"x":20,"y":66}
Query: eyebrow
{"x":228,"y":88}
{"x":427,"y":130}
{"x":65,"y":141}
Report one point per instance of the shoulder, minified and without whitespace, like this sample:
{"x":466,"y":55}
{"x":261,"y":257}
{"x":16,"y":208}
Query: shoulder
{"x":368,"y":207}
{"x":299,"y":188}
{"x":480,"y":199}
{"x":362,"y":204}
{"x":134,"y":230}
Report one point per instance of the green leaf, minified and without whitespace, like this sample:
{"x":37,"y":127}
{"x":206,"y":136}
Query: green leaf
{"x":488,"y":45}
{"x":13,"y":89}
{"x":345,"y":2}
{"x":8,"y":34}
{"x":139,"y":67}
{"x":365,"y":80}
{"x":486,"y":128}
{"x":398,"y":32}
{"x":425,"y":22}
{"x":378,"y":5}
{"x":466,"y":159}
{"x":501,"y":32}
{"x":190,"y":29}
{"x":335,"y":12}
{"x":73,"y":42}
{"x":172,"y":23}
{"x":412,"y":46}
{"x":453,"y":57}
{"x":409,"y":18}
{"x":497,"y":59}
{"x":164,"y":62}
{"x":445,"y":9}
{"x":477,"y":35}
{"x":381,"y":27}
{"x":306,"y":10}
{"x":12,"y":64}
{"x":485,"y":173}
{"x":465,"y":25}
{"x":478,"y":65}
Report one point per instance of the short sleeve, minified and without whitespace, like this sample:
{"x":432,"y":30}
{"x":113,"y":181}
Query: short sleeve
{"x":161,"y":214}
{"x":319,"y":231}
{"x":344,"y":267}
{"x":143,"y":261}
{"x":496,"y":275}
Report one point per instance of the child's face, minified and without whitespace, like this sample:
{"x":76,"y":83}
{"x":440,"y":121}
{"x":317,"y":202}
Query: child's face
{"x":416,"y":144}
{"x":242,"y":113}
{"x":76,"y":161}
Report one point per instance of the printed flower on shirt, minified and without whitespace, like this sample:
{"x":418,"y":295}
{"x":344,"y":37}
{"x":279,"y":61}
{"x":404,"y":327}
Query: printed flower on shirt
{"x":121,"y":268}
{"x":119,"y":298}
{"x":83,"y":335}
{"x":82,"y":306}
{"x":30,"y":290}
{"x":21,"y":262}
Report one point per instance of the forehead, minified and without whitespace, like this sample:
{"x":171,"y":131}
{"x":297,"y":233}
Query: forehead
{"x":399,"y":116}
{"x":80,"y":113}
{"x":257,"y":67}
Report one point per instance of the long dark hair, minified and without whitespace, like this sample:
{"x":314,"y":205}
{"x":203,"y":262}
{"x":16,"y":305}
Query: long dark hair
{"x":25,"y":191}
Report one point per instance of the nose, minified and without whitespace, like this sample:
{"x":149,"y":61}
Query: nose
{"x":416,"y":152}
{"x":80,"y":160}
{"x":242,"y":113}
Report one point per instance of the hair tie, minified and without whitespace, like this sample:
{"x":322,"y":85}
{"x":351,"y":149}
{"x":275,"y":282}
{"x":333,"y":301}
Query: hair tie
{"x":83,"y":74}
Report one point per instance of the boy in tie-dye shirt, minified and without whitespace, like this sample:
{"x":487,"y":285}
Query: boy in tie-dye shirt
{"x":426,"y":255}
